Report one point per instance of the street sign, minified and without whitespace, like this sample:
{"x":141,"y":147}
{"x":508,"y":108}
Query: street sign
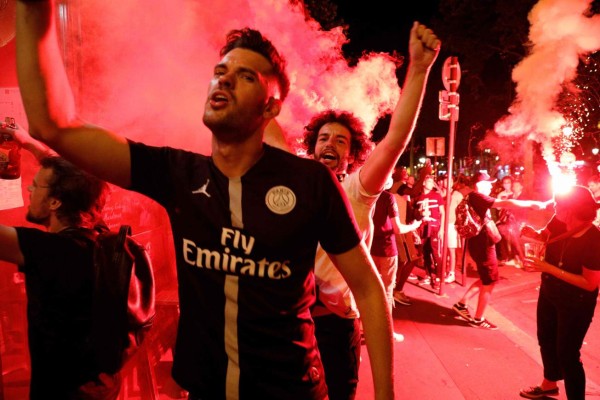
{"x":435,"y":146}
{"x":451,"y":74}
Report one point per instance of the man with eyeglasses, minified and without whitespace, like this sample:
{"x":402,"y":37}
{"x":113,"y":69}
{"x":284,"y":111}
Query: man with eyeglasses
{"x":58,"y":271}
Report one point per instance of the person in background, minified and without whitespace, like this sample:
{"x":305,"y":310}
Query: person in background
{"x":246,"y":221}
{"x":568,"y":293}
{"x":519,"y":194}
{"x":517,"y":189}
{"x":408,"y":253}
{"x":337,"y":139}
{"x":509,"y":249}
{"x":59,"y":276}
{"x":387,"y":225}
{"x":483,"y":250}
{"x":430,"y":206}
{"x":411,"y":186}
{"x":454,"y":240}
{"x":399,"y":177}
{"x":441,"y":186}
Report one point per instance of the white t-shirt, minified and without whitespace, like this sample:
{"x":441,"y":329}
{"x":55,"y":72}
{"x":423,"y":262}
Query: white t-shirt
{"x":334,"y":292}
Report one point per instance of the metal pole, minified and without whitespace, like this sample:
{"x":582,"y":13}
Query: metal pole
{"x":451,"y":79}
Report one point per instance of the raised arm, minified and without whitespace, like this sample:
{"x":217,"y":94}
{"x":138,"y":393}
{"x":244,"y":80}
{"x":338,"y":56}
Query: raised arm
{"x":49,"y":101}
{"x":38,"y":149}
{"x":276,"y":137}
{"x":514,"y":203}
{"x":424,"y":47}
{"x":357,"y":268}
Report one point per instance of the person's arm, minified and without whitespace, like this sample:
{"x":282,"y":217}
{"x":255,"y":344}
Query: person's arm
{"x":424,"y":47}
{"x":275,"y":136}
{"x":9,"y":245}
{"x":357,"y":268}
{"x":38,"y":149}
{"x":588,"y":280}
{"x":400,"y":228}
{"x":513,"y":203}
{"x":442,"y":222}
{"x":417,"y":188}
{"x":49,"y":101}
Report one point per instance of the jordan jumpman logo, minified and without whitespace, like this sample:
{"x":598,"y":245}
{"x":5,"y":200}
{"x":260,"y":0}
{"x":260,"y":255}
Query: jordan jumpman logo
{"x":202,"y":189}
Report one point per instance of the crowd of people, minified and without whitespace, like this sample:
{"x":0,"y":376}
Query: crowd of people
{"x":328,"y":241}
{"x":497,"y":201}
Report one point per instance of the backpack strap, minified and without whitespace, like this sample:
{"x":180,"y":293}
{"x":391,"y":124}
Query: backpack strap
{"x":124,"y":231}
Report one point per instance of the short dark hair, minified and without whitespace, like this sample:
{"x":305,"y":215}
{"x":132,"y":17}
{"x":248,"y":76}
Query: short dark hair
{"x":82,"y":195}
{"x":251,"y":39}
{"x":360,"y":144}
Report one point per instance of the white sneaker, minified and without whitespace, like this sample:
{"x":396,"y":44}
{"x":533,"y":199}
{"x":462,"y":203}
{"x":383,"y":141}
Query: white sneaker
{"x":425,"y":281}
{"x":450,"y":278}
{"x":398,"y":337}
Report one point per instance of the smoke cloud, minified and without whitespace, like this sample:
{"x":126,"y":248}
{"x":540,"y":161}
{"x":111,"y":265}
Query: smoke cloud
{"x":147,"y":64}
{"x":560,"y":34}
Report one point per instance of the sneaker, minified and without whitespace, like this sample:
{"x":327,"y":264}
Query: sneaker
{"x":413,"y":277}
{"x":398,"y":337}
{"x":462,"y":311}
{"x":536,"y":392}
{"x":483,"y":323}
{"x":435,"y":284}
{"x":450,"y":278}
{"x":512,"y":262}
{"x":401,"y":298}
{"x":425,"y":281}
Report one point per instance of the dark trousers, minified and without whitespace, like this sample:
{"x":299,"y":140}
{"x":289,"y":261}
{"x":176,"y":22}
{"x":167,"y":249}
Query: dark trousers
{"x":562,"y":323}
{"x":431,"y":254}
{"x":339,"y":344}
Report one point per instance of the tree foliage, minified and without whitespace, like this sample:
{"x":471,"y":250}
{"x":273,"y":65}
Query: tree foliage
{"x":323,"y":11}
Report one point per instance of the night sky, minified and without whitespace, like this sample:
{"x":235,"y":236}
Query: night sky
{"x":375,"y":26}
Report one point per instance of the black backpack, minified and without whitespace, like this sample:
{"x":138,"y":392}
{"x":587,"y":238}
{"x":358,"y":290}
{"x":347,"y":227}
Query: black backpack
{"x":468,"y":223}
{"x":123,"y":301}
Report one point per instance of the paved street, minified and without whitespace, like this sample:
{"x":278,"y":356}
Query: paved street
{"x":443,"y":357}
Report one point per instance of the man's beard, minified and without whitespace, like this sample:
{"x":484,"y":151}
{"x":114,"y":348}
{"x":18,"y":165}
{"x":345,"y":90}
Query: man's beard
{"x":228,"y":130}
{"x":36,"y":220}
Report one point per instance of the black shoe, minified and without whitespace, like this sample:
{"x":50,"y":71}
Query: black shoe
{"x":401,"y":298}
{"x":462,"y":311}
{"x":536,"y":392}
